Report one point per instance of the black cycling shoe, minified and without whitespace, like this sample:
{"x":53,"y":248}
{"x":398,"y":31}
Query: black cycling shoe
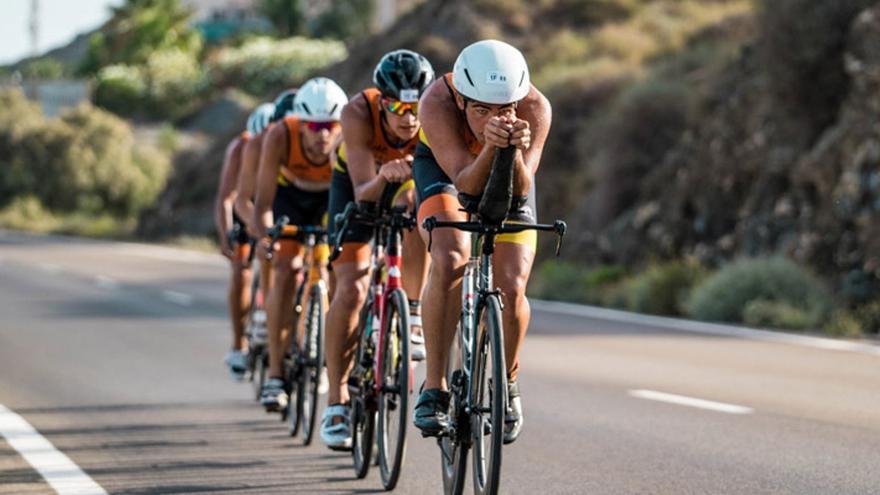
{"x":513,"y":419}
{"x":431,"y":412}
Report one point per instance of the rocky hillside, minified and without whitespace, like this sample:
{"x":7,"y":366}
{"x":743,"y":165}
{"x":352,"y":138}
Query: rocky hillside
{"x":786,"y":162}
{"x":704,"y":130}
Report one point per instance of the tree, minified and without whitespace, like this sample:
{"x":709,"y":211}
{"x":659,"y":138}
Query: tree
{"x":286,"y":15}
{"x":139,"y":28}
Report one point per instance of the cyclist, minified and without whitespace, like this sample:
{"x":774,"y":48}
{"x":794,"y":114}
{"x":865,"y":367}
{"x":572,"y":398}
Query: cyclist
{"x":244,"y":201}
{"x":293,"y":180}
{"x":380,"y":129}
{"x":233,"y":239}
{"x":487,"y":102}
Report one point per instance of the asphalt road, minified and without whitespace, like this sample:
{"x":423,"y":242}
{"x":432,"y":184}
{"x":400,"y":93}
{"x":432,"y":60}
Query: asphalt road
{"x":113,"y":353}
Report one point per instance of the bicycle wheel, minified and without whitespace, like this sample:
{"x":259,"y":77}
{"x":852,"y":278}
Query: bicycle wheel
{"x":261,"y":365}
{"x":454,"y":447}
{"x":363,"y":423}
{"x":489,"y":395}
{"x":313,"y":355}
{"x":363,"y":419}
{"x":293,"y":411}
{"x":393,"y":410}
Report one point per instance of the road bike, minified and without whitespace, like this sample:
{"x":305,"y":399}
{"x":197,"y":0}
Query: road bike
{"x":304,"y":362}
{"x":476,"y":368}
{"x":381,"y":379}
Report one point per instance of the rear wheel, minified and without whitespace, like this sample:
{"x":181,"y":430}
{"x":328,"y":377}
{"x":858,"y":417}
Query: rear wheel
{"x":261,"y":365}
{"x":394,"y":397}
{"x":489,"y":400}
{"x":313,"y":363}
{"x":363,"y":415}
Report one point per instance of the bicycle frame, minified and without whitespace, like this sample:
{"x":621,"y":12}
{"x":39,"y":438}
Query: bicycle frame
{"x":386,"y":277}
{"x":475,"y":287}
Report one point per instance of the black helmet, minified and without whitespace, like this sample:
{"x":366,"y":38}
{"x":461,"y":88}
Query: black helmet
{"x":283,"y":104}
{"x":403,"y":75}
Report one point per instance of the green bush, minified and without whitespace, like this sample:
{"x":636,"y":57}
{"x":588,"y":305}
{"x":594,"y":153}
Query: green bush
{"x":44,"y":68}
{"x":663,"y":288}
{"x":121,"y":89}
{"x":139,"y":28}
{"x":844,"y":324}
{"x":86,"y":161}
{"x":263,"y":64}
{"x":774,"y":314}
{"x":725,"y":295}
{"x":566,"y":281}
{"x":174,"y":79}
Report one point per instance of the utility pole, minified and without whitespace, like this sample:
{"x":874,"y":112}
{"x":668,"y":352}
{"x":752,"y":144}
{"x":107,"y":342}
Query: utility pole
{"x":35,"y":27}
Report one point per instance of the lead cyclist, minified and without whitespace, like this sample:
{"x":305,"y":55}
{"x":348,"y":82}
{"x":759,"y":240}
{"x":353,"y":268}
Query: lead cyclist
{"x":487,"y":102}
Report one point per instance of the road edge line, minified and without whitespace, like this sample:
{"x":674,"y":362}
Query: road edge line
{"x":693,"y":326}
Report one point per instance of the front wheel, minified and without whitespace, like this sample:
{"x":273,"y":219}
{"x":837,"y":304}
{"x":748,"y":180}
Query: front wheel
{"x":393,"y":413}
{"x":489,"y":400}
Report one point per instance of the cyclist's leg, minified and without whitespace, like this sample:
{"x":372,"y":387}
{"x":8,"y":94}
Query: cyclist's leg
{"x":415,"y":259}
{"x":279,"y":304}
{"x":512,"y":265}
{"x":342,"y":318}
{"x":239,"y":296}
{"x":415,"y":269}
{"x":449,"y":253}
{"x":350,"y":281}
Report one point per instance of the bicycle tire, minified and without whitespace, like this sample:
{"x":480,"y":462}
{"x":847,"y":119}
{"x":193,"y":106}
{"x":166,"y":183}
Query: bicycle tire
{"x":362,"y":419}
{"x":310,"y":373}
{"x":363,"y":424}
{"x":488,"y":400}
{"x":454,"y":450}
{"x":262,"y":365}
{"x":394,"y":396}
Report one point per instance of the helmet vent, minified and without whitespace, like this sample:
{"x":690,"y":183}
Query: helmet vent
{"x":468,"y":75}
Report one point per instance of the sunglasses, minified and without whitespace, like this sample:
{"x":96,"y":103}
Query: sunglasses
{"x":400,"y":108}
{"x":321,"y":126}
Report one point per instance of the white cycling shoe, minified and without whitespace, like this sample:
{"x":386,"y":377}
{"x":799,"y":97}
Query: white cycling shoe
{"x":416,"y":340}
{"x":236,"y":361}
{"x":273,"y":397}
{"x":336,"y":436}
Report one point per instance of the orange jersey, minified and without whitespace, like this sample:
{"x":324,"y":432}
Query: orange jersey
{"x":297,"y":163}
{"x":380,"y":146}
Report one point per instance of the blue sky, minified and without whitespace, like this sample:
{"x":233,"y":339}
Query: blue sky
{"x":61,"y":21}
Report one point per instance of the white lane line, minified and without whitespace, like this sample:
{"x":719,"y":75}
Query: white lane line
{"x":178,"y":298}
{"x":692,"y":326}
{"x":104,"y":282}
{"x":50,"y":268}
{"x":171,"y":254}
{"x":65,"y":477}
{"x":682,"y":400}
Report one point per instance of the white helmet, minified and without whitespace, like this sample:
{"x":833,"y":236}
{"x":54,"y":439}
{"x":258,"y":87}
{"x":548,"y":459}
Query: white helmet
{"x":491,"y":71}
{"x":319,"y":100}
{"x":259,"y":118}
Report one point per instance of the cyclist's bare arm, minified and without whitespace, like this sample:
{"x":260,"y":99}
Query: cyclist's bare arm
{"x":536,"y":110}
{"x":441,"y":121}
{"x":247,"y":182}
{"x":272,"y":152}
{"x":357,"y":131}
{"x":226,"y":192}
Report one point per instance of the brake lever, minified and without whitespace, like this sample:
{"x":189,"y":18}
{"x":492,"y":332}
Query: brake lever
{"x":428,"y":225}
{"x":559,"y":227}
